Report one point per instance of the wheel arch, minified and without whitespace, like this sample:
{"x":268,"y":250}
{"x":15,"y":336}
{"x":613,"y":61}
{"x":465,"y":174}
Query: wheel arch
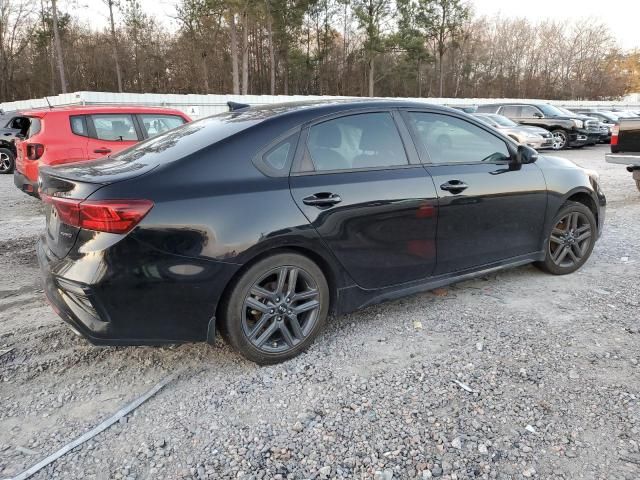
{"x":585,"y":198}
{"x":329,"y":269}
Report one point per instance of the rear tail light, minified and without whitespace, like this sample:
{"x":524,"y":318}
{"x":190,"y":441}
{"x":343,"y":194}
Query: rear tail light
{"x":614,"y":134}
{"x":111,"y":216}
{"x":34,"y":151}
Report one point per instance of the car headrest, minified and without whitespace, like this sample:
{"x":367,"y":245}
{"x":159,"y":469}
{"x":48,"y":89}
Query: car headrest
{"x":377,"y":140}
{"x":326,"y":136}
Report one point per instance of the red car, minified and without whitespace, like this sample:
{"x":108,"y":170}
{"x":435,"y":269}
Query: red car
{"x":78,"y":133}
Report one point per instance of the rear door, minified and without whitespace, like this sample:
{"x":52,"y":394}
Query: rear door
{"x":111,"y":132}
{"x":489,"y":211}
{"x":358,"y":181}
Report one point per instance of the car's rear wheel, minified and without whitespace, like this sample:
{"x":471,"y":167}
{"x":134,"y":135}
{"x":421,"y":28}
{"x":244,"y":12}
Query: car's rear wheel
{"x":560,"y":139}
{"x":7,"y":160}
{"x":276,"y":308}
{"x":571,"y":239}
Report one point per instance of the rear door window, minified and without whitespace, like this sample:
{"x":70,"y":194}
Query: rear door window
{"x":367,"y":140}
{"x":529,"y":112}
{"x":114,"y":127}
{"x":153,"y":124}
{"x":511,"y":111}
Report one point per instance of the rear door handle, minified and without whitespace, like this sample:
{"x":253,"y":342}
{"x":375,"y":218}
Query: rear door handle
{"x":454,"y":186}
{"x":102,"y":150}
{"x":323,"y":199}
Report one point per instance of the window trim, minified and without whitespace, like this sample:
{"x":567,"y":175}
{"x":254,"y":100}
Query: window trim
{"x":92,"y":127}
{"x":424,"y":154}
{"x":409,"y":149}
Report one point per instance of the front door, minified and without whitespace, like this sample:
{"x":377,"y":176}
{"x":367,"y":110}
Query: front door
{"x":374,"y":209}
{"x":489,"y":211}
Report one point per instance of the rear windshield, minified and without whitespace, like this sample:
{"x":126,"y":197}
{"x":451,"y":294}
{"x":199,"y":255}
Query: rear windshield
{"x":35,"y":127}
{"x":188,"y":138}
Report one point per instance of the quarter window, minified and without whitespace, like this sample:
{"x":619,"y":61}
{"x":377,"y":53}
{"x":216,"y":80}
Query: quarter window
{"x":367,"y":140}
{"x":114,"y":127}
{"x":449,"y":139}
{"x":79,"y":126}
{"x":277,"y":157}
{"x":156,"y":124}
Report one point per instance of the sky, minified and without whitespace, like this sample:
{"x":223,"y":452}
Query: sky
{"x":620,"y":15}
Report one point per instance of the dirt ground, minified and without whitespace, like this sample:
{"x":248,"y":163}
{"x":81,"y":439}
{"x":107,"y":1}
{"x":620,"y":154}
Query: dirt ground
{"x":553,"y":363}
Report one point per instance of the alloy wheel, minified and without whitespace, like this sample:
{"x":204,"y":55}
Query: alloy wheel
{"x":559,"y":140}
{"x":570,"y":239}
{"x":5,"y":162}
{"x":281,"y":309}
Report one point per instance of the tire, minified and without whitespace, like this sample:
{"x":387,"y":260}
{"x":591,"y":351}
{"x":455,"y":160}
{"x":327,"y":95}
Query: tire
{"x":574,"y":230}
{"x":7,"y":161}
{"x":259,"y":316}
{"x":560,"y":139}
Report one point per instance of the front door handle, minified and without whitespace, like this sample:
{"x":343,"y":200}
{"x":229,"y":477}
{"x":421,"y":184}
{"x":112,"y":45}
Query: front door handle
{"x":323,"y":199}
{"x":454,"y":186}
{"x":102,"y":150}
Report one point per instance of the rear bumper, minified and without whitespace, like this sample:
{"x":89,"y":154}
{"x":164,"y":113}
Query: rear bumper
{"x":632,"y":159}
{"x":121,"y":308}
{"x":24,"y":184}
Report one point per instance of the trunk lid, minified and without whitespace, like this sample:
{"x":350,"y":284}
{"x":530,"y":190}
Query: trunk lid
{"x":78,"y":181}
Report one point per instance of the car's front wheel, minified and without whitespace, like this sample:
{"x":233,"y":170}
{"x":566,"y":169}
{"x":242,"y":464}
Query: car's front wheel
{"x":7,"y":160}
{"x":571,"y":239}
{"x":276,"y":308}
{"x":560,"y":139}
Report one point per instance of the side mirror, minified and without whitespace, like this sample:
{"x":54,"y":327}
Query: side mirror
{"x":526,"y":155}
{"x":537,"y":114}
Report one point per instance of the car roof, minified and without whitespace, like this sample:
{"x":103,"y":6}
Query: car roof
{"x":309,"y":110}
{"x":91,"y":109}
{"x":501,"y":104}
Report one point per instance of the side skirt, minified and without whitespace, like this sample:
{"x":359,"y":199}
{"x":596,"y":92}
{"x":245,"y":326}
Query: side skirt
{"x":354,"y":298}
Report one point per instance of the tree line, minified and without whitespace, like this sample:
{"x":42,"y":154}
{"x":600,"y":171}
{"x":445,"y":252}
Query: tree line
{"x":414,"y":48}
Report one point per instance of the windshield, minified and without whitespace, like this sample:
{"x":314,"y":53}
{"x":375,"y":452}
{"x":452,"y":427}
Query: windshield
{"x":503,"y":121}
{"x":486,"y":119}
{"x":551,"y":111}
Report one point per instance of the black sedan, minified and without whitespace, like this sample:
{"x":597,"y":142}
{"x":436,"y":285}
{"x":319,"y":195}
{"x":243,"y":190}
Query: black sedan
{"x":260,"y":222}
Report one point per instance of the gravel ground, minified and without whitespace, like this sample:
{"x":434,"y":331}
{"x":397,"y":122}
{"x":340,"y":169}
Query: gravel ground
{"x":551,"y":364}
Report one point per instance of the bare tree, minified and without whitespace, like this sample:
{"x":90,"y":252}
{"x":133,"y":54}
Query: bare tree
{"x":114,"y":42}
{"x":245,"y":52}
{"x":233,"y":33}
{"x":58,"y":45}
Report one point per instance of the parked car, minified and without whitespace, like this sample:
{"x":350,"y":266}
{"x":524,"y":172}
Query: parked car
{"x":261,"y":221}
{"x":567,"y":130}
{"x":534,"y":137}
{"x":602,"y":129}
{"x":625,"y":113}
{"x":607,"y":118}
{"x":13,"y":125}
{"x":78,"y":133}
{"x":465,"y":108}
{"x":625,"y":147}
